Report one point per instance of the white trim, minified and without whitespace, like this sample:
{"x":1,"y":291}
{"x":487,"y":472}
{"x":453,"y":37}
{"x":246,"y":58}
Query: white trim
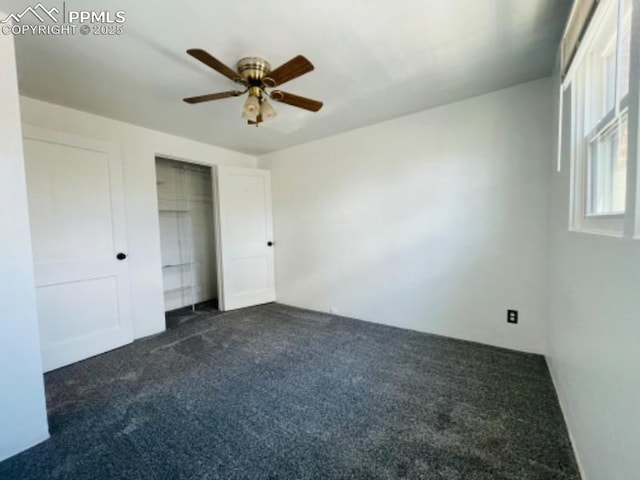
{"x":616,"y":90}
{"x":594,"y":231}
{"x":605,"y":215}
{"x":560,"y":128}
{"x":632,"y":226}
{"x":217,"y":231}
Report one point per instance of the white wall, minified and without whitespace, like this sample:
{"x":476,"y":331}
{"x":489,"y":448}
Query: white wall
{"x":23,"y":420}
{"x":435,"y":221}
{"x":594,"y":343}
{"x":139,"y":148}
{"x":594,"y":326}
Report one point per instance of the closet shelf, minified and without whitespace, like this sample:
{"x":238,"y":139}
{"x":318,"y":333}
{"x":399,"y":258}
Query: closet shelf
{"x":176,"y":265}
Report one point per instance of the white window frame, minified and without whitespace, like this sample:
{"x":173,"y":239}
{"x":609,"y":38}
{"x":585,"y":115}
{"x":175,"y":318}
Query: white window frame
{"x":582,"y":131}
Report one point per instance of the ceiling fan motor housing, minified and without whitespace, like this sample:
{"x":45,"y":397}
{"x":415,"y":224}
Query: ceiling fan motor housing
{"x":253,"y":70}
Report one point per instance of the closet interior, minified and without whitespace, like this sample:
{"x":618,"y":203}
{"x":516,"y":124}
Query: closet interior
{"x":185,"y":202}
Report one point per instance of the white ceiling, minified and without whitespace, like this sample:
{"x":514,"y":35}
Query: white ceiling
{"x":374,"y":59}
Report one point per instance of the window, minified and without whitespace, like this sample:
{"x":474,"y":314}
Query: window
{"x":607,"y":171}
{"x":600,"y":104}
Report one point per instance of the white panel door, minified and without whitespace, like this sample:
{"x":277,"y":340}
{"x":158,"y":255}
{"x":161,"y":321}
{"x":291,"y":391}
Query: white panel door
{"x":245,"y":237}
{"x":76,"y":211}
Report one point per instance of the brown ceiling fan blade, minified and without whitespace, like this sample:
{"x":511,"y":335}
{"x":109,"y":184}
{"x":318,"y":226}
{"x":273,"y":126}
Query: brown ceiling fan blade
{"x":294,"y":68}
{"x":214,"y":63}
{"x":213,"y":96}
{"x":296,"y":101}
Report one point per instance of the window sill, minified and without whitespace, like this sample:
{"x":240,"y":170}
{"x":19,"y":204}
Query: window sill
{"x":597,"y":216}
{"x":601,"y":233}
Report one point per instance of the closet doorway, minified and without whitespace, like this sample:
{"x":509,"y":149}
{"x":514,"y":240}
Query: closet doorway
{"x":187,"y":238}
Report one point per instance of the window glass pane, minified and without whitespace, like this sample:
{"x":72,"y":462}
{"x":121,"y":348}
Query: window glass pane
{"x":625,"y":57}
{"x":609,"y":66}
{"x":620,"y":168}
{"x":600,"y":87}
{"x":607,"y":171}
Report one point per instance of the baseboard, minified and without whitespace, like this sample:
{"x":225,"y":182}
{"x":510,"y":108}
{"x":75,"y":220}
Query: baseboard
{"x":564,"y":408}
{"x":534,"y":350}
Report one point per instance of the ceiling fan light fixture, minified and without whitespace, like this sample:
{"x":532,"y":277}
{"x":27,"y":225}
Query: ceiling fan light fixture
{"x":247,"y":117}
{"x":266,"y":110}
{"x":251,"y":108}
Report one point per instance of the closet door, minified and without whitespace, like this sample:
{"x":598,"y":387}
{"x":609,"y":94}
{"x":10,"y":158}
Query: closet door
{"x":245,"y":237}
{"x":76,"y":211}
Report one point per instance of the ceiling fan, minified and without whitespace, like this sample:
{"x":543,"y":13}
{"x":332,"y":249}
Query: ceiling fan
{"x":256,"y":76}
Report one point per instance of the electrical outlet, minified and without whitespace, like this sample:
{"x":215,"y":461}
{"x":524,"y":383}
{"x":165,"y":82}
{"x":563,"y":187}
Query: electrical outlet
{"x":333,"y":311}
{"x":512,"y":316}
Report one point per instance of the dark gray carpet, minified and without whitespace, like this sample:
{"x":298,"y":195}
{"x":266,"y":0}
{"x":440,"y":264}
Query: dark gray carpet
{"x":275,"y":392}
{"x":175,"y":318}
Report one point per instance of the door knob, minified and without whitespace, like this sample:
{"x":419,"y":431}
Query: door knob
{"x":121,"y":256}
{"x":269,"y":244}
